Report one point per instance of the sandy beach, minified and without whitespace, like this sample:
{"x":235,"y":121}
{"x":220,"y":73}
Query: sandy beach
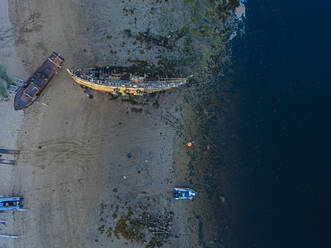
{"x":10,"y":121}
{"x":98,"y":172}
{"x":87,"y":166}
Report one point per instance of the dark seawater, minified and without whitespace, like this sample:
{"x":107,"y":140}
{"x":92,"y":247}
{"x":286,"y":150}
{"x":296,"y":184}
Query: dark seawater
{"x":276,"y":147}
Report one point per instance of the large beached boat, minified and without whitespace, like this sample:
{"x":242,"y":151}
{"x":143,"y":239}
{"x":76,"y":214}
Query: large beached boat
{"x":37,"y":82}
{"x":123,"y":80}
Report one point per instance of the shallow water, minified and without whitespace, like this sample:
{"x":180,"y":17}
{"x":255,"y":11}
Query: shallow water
{"x":267,"y":171}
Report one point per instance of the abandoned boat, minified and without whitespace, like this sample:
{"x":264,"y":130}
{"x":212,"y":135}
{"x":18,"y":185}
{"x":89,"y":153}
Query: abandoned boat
{"x":123,"y":80}
{"x":37,"y":82}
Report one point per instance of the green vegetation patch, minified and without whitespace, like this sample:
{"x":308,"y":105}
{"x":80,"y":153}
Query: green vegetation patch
{"x":4,"y":81}
{"x":138,"y":224}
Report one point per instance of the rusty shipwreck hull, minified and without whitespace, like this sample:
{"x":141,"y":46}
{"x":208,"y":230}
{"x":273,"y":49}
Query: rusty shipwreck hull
{"x":119,"y":80}
{"x":37,"y":82}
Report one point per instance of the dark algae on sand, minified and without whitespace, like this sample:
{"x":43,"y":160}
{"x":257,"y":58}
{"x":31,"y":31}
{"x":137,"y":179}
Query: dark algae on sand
{"x":137,"y":224}
{"x":211,"y":121}
{"x":199,"y":44}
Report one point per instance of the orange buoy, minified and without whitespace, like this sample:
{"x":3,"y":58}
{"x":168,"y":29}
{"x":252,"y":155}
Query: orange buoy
{"x":189,"y":144}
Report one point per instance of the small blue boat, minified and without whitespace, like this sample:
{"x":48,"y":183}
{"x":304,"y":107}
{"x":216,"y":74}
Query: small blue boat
{"x":11,"y":203}
{"x":183,"y":193}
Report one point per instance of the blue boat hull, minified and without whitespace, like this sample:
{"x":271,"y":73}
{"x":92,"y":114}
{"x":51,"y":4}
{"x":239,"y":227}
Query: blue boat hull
{"x":11,"y":203}
{"x":183,"y":193}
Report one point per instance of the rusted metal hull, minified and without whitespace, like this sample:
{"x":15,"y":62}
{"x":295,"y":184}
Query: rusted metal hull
{"x":37,"y":82}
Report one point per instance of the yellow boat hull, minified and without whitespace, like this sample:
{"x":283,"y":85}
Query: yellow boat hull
{"x":123,"y":89}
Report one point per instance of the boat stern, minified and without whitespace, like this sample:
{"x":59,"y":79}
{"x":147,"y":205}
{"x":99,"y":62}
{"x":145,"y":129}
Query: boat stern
{"x":21,"y":101}
{"x":70,"y":72}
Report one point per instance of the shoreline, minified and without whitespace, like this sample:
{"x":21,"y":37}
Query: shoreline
{"x":211,"y":165}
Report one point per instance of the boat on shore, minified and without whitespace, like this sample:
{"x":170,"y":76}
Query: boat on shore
{"x":37,"y":82}
{"x":183,"y":193}
{"x":11,"y":203}
{"x":122,"y":81}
